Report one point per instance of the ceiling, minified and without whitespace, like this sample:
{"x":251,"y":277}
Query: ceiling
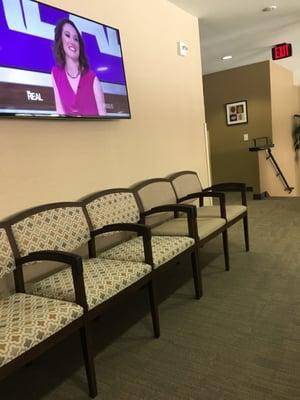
{"x":240,"y":28}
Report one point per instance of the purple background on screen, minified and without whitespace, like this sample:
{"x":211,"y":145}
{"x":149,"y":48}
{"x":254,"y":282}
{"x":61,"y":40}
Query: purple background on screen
{"x":24,"y":51}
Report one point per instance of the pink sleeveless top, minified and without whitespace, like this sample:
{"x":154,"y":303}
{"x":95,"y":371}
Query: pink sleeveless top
{"x":81,"y":103}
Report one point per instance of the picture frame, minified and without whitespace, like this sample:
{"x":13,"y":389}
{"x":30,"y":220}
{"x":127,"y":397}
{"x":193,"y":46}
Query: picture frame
{"x":236,"y":113}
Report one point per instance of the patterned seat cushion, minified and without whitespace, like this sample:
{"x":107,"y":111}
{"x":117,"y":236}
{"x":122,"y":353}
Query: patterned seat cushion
{"x":61,"y":228}
{"x":27,"y":320}
{"x":164,"y":248}
{"x":103,"y":279}
{"x":7,"y":264}
{"x":113,"y":208}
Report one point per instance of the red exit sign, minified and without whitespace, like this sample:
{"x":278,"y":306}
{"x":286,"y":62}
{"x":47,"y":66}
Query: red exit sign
{"x":282,"y":50}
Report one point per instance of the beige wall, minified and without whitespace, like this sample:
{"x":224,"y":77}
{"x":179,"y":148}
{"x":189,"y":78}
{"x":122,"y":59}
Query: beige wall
{"x":284,"y":103}
{"x":297,"y":89}
{"x":230,"y":158}
{"x":48,"y":161}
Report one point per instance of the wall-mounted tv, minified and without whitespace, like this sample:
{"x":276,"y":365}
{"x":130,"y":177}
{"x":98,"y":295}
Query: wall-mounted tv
{"x":56,"y":64}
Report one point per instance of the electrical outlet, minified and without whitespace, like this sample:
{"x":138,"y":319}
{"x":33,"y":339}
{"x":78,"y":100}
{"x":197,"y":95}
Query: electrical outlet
{"x":246,"y":137}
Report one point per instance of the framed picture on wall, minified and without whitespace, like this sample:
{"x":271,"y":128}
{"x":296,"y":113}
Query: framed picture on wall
{"x":236,"y":113}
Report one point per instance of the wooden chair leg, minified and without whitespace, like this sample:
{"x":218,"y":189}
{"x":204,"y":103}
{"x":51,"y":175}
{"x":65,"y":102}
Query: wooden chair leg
{"x":88,"y":360}
{"x":246,"y":232}
{"x":226,"y":250}
{"x":154,"y":309}
{"x":197,"y":275}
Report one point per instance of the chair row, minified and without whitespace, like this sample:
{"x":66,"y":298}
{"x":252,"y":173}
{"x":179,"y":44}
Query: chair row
{"x":46,"y":311}
{"x":185,"y":187}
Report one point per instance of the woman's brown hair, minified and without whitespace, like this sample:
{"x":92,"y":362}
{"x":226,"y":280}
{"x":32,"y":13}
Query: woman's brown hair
{"x":59,"y":52}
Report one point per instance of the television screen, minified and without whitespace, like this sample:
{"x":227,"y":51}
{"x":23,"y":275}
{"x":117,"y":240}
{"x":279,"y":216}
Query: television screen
{"x":57,"y":64}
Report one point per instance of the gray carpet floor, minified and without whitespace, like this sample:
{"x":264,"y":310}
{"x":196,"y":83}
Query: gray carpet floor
{"x":241,"y":341}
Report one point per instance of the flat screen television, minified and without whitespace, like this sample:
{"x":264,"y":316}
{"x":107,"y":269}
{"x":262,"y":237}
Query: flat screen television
{"x":55,"y":64}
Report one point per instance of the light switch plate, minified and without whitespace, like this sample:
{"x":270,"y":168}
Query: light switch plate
{"x":182,"y":48}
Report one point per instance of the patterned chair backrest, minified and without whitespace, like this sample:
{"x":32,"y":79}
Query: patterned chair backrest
{"x":153,"y":193}
{"x":60,"y":226}
{"x":185,"y":182}
{"x":7,"y":264}
{"x":112,"y":207}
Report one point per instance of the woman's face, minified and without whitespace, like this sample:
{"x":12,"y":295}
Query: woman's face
{"x":70,"y":42}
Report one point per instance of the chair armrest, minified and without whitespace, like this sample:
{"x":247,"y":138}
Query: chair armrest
{"x":189,"y":209}
{"x":202,"y":195}
{"x":230,"y":187}
{"x":73,"y":260}
{"x":53,"y":255}
{"x":141,"y":229}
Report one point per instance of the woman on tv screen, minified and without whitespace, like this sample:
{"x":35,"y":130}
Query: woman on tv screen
{"x":77,"y":89}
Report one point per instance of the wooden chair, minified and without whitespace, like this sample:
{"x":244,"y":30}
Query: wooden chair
{"x":64,"y":226}
{"x":188,"y":187}
{"x":155,"y":194}
{"x":30,"y":325}
{"x":117,"y":210}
